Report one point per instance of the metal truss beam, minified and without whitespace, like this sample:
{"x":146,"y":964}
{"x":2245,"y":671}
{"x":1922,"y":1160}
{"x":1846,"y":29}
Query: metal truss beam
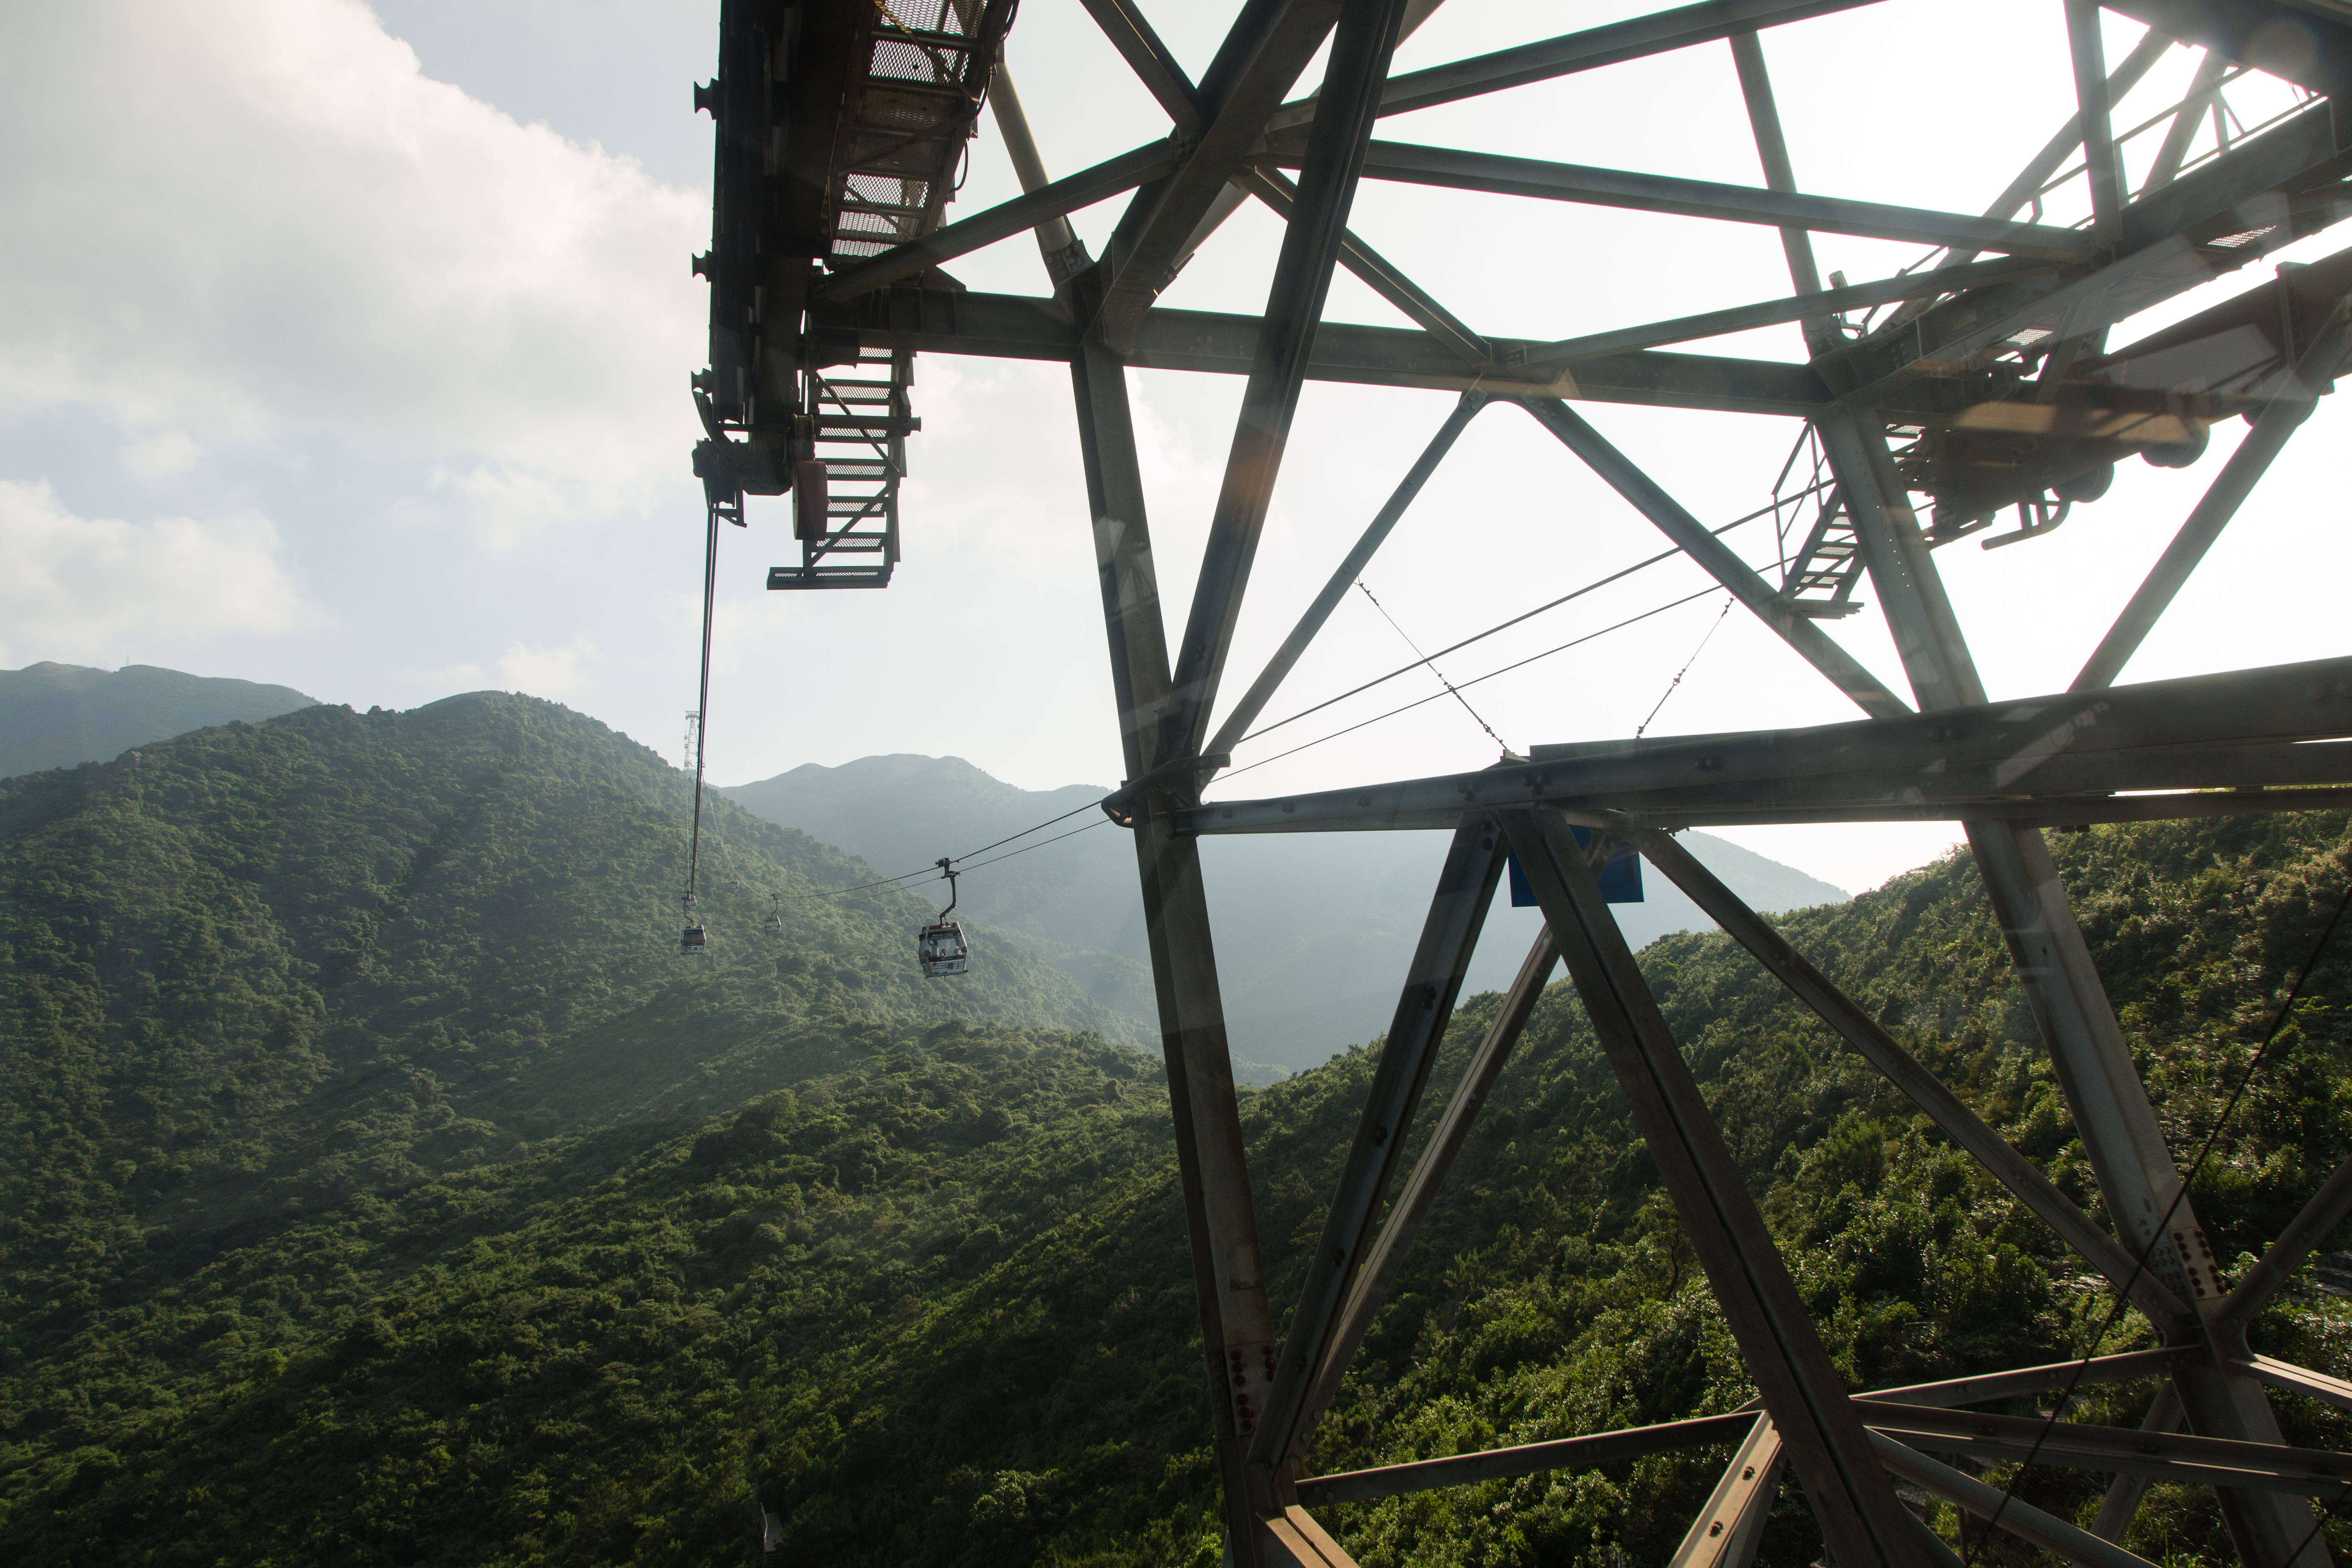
{"x":1352,"y":566}
{"x":2113,"y":1521}
{"x":1614,"y":44}
{"x":1907,"y":1073}
{"x":2106,"y":173}
{"x":1773,"y":152}
{"x":2054,"y":155}
{"x":1012,"y":326}
{"x":1526,"y":1459}
{"x":2023,"y":1520}
{"x":1247,"y":182}
{"x":1386,"y":1256}
{"x":1860,"y":1521}
{"x":1026,"y":211}
{"x":2232,"y":1466}
{"x":1361,"y":50}
{"x":1603,"y":1447}
{"x":2096,"y":1074}
{"x":1776,"y":313}
{"x":1294,"y":1530}
{"x":1674,"y":815}
{"x":1731,"y":1526}
{"x":1236,"y":1328}
{"x":1815,"y":645}
{"x":1378,"y":274}
{"x":1987,"y":1386}
{"x":1458,"y":912}
{"x":1271,"y":42}
{"x":2303,"y":44}
{"x":2314,"y":372}
{"x":1498,"y":174}
{"x":2056,"y":783}
{"x":2327,"y":1208}
{"x":2275,"y":705}
{"x":1122,"y":22}
{"x":2301,"y":1380}
{"x":1058,"y":243}
{"x":2277,"y":187}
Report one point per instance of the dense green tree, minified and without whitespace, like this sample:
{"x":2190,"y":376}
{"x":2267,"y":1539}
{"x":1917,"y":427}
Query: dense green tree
{"x":382,"y":1188}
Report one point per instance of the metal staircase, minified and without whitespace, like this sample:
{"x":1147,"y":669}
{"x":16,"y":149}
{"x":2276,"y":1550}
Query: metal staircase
{"x":861,"y":420}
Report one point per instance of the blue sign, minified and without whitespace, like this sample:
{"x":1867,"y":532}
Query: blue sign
{"x":1621,"y":879}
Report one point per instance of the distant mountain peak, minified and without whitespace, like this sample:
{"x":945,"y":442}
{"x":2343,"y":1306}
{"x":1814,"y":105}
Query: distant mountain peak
{"x":55,"y":715}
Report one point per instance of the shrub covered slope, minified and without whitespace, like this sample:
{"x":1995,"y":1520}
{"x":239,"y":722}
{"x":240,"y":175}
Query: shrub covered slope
{"x":380,"y":1189}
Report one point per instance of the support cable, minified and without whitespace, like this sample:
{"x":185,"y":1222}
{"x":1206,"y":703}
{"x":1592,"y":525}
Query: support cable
{"x":702,"y":704}
{"x":933,"y":872}
{"x":1529,"y":614}
{"x":2197,"y":1167}
{"x":1407,"y":707}
{"x":1453,"y":688}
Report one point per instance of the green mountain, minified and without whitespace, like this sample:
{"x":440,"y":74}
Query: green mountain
{"x":55,"y":715}
{"x":378,"y":1187}
{"x":1312,"y":928}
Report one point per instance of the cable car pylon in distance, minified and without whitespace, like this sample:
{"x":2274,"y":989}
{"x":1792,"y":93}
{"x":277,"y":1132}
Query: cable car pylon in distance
{"x":940,"y":945}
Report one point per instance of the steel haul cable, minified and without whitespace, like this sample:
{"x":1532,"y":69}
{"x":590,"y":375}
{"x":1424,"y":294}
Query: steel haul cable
{"x":1453,"y":688}
{"x":702,"y":702}
{"x":1407,"y":707}
{"x":1597,"y":583}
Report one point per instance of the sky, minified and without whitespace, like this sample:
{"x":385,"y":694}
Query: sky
{"x":348,"y":348}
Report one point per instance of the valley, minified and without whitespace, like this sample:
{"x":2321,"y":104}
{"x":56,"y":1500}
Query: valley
{"x":1314,"y":928}
{"x":383,"y":1187}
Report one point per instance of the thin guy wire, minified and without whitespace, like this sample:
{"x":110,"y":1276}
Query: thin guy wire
{"x":1716,"y":626}
{"x":1425,"y":659}
{"x":1652,"y":560}
{"x":1515,"y":620}
{"x":1391,"y":713}
{"x":2326,"y":1509}
{"x":702,"y":704}
{"x":2123,"y":1298}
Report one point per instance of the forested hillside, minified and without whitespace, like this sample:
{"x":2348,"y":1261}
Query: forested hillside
{"x":381,"y":1189}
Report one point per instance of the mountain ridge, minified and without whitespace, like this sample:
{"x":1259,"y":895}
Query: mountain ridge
{"x":55,"y":715}
{"x":1314,"y":930}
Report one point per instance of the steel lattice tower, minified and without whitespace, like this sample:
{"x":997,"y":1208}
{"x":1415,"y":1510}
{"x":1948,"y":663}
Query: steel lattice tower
{"x":1981,"y":383}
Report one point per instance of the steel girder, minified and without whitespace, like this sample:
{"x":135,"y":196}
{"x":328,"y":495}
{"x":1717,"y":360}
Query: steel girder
{"x":2122,"y":737}
{"x":1860,"y":1521}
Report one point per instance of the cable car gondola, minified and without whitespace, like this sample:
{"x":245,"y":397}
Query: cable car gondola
{"x":940,"y":946}
{"x":774,"y":924}
{"x":693,"y":943}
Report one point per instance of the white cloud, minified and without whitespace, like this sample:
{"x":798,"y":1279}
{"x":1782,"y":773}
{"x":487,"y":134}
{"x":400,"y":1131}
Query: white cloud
{"x":442,"y":682}
{"x":559,"y":672}
{"x":83,"y":589}
{"x":281,"y":232}
{"x":164,"y":456}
